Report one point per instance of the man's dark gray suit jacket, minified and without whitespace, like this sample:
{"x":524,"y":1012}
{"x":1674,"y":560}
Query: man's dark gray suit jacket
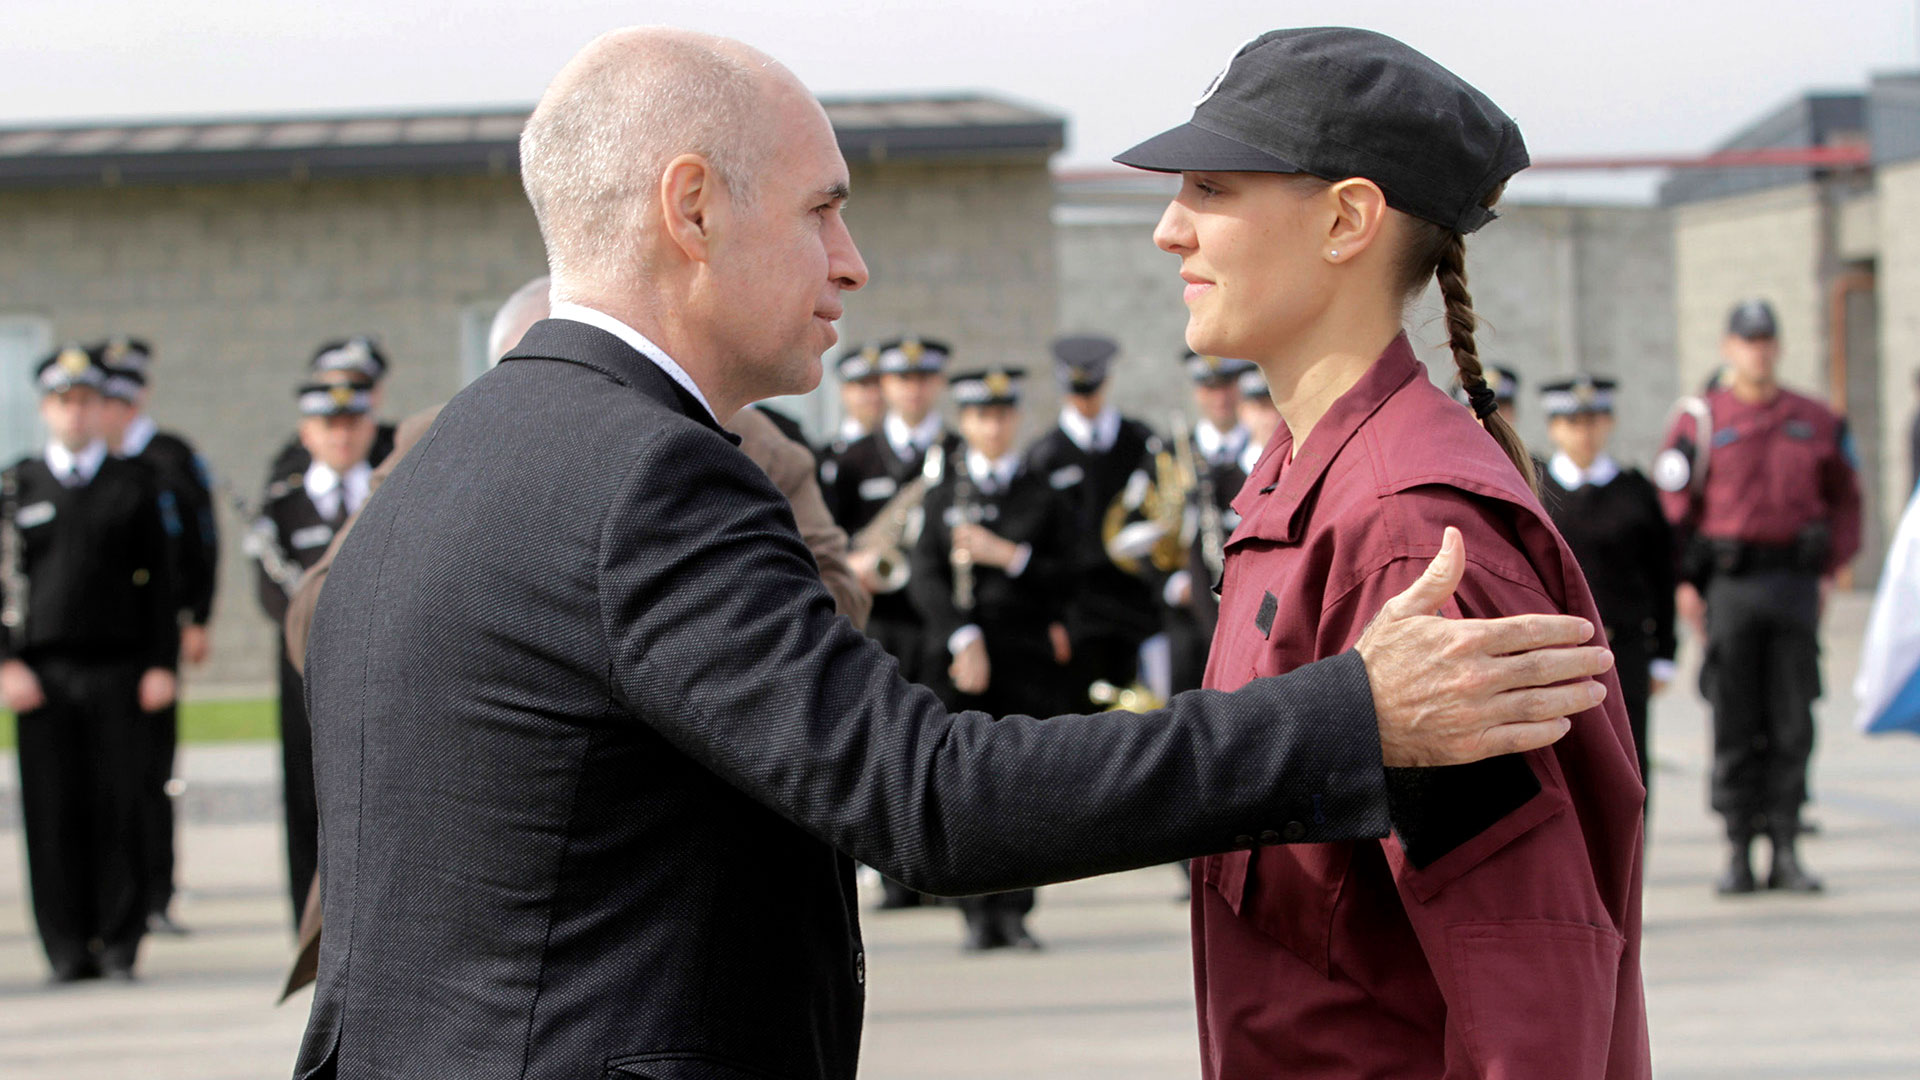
{"x":595,"y":756}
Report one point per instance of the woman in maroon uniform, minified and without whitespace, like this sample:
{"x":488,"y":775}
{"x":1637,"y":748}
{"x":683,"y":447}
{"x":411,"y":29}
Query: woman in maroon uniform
{"x":1327,"y":177}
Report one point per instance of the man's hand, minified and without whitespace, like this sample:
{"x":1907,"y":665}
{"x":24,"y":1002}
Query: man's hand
{"x":1692,"y":609}
{"x":156,"y":689}
{"x":969,"y":670}
{"x":195,"y":645}
{"x":1451,"y":691}
{"x":20,"y":687}
{"x":863,"y":564}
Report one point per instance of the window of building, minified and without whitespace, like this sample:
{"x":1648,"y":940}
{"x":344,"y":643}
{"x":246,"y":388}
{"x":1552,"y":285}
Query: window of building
{"x":24,"y":341}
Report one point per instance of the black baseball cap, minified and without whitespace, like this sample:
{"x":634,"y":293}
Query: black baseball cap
{"x":1753,"y":320}
{"x":1337,"y":102}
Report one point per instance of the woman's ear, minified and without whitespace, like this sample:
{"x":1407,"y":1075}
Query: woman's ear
{"x":1359,"y":213}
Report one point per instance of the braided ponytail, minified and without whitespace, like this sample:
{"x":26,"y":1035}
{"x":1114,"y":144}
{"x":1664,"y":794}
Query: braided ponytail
{"x":1440,"y":254}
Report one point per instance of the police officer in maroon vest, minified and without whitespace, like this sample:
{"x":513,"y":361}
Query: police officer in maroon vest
{"x":1759,"y":482}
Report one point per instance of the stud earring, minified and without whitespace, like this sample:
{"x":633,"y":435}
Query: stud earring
{"x":1333,"y":254}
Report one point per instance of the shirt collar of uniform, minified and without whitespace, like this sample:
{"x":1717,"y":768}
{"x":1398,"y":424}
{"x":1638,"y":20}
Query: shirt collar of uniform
{"x":635,"y":340}
{"x":1573,"y":477}
{"x":1218,"y":447}
{"x":910,"y":441}
{"x":1270,"y":502}
{"x":139,"y":433}
{"x":851,"y":429}
{"x":86,"y":463}
{"x":1094,"y":436}
{"x":995,"y":473}
{"x":325,"y":486}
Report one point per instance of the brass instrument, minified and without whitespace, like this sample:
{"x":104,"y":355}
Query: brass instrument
{"x":1144,"y":522}
{"x":13,"y":573}
{"x":891,"y":532}
{"x":262,"y":543}
{"x":966,"y":512}
{"x":1136,"y":698}
{"x":1212,"y":529}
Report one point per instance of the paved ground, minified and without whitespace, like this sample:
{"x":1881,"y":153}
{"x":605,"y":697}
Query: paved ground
{"x":1768,"y":987}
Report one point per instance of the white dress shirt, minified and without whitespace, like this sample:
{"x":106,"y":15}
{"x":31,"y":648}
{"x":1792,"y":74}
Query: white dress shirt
{"x":1216,"y":446}
{"x":580,"y":313}
{"x":325,"y":489}
{"x":138,"y":434}
{"x":910,"y":442}
{"x":851,"y":429}
{"x":991,"y":476}
{"x":1572,"y":477}
{"x":1094,"y":436}
{"x":72,"y":469}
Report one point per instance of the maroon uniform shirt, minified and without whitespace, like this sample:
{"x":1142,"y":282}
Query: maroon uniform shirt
{"x":1772,"y":470}
{"x":1497,"y":933}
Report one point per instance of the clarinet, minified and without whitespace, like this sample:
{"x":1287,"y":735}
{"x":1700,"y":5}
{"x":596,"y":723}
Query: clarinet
{"x":13,"y":574}
{"x":964,"y":512}
{"x":1213,"y":538}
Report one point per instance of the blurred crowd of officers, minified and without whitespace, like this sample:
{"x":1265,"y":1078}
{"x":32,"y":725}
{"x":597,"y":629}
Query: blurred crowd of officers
{"x":1074,"y":573}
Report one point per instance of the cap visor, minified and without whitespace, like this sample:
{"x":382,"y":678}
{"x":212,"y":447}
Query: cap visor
{"x":1194,"y":149}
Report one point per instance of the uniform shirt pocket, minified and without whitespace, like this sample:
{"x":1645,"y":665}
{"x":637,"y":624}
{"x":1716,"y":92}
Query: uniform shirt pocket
{"x":1288,"y":893}
{"x":1538,"y":996}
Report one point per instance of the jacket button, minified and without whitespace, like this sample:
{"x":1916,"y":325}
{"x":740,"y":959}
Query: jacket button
{"x":1295,"y":832}
{"x":1243,"y":840}
{"x":1269,"y":837}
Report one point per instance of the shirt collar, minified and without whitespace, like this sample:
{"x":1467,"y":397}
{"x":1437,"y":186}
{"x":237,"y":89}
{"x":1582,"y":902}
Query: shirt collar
{"x":139,"y":433}
{"x":86,"y":462}
{"x":325,"y":486}
{"x":1094,"y":436}
{"x":635,"y":340}
{"x":997,"y":472}
{"x":1218,"y":446}
{"x":908,"y":441}
{"x":851,"y":429}
{"x":1573,"y":477}
{"x":1270,"y":502}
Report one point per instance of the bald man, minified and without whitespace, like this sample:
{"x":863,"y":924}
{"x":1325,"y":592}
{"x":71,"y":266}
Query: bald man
{"x":578,"y":691}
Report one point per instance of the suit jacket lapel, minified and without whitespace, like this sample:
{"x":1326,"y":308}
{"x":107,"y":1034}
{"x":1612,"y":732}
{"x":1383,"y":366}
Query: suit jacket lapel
{"x":592,"y":347}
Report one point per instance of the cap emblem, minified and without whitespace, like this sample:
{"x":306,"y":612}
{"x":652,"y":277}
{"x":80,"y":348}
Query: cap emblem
{"x":1214,"y":86}
{"x":74,"y":361}
{"x":998,"y":384}
{"x":912,"y":350}
{"x":341,"y":395}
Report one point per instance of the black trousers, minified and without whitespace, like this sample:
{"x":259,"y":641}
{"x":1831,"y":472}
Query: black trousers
{"x":296,"y":771}
{"x":1633,"y":664}
{"x":1189,"y":641}
{"x":1762,"y":675}
{"x":156,"y":806}
{"x":80,"y":756}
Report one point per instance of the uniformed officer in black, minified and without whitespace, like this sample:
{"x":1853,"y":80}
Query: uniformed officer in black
{"x":875,"y":468}
{"x":862,"y":407}
{"x":186,"y":510}
{"x":1092,"y":453}
{"x":1759,"y":484}
{"x":1218,"y":447}
{"x":1610,"y":516}
{"x":88,"y":641}
{"x":299,"y":515}
{"x":357,"y":361}
{"x":992,"y":571}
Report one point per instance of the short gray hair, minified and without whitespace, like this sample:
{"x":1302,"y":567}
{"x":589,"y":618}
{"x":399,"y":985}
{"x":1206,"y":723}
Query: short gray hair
{"x":592,"y":154}
{"x":527,"y":305}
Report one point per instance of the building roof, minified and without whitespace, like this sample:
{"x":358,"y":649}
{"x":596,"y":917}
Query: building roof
{"x":1819,"y":119}
{"x":476,"y":141}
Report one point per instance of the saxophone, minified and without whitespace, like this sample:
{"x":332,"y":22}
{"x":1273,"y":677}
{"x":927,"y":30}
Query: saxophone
{"x":1213,"y":532}
{"x":965,"y":512}
{"x":1144,"y":522}
{"x":891,"y":532}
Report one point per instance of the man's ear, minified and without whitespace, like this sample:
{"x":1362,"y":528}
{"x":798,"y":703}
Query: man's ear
{"x":693,"y":202}
{"x":1359,"y":212}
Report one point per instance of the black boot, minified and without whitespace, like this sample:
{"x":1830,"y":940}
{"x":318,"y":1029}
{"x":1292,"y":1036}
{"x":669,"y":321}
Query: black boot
{"x":982,"y":932}
{"x":1787,"y":875}
{"x":1738,"y":880}
{"x":1013,"y":931}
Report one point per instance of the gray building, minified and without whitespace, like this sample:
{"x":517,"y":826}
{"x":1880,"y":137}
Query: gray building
{"x":236,"y":247}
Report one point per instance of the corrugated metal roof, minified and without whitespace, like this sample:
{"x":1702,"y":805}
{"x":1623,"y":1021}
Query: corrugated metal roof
{"x":460,"y":142}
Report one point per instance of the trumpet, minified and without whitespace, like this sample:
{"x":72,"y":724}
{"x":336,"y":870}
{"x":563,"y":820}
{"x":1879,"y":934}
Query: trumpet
{"x":1136,"y":698}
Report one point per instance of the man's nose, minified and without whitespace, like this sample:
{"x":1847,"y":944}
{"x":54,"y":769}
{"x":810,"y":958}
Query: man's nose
{"x":844,"y":264}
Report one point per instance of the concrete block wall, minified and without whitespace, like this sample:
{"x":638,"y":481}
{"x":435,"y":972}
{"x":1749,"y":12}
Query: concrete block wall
{"x":1770,"y":244}
{"x":1898,"y":280}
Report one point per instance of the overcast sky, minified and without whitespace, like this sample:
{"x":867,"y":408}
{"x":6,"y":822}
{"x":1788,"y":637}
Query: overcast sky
{"x":1616,"y":78}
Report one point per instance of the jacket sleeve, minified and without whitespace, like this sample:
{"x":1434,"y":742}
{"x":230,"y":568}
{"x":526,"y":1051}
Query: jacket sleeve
{"x":273,"y":598}
{"x":722,"y":639}
{"x":154,"y":558}
{"x":1840,"y":490}
{"x":13,"y":545}
{"x":1520,"y":908}
{"x":201,"y":559}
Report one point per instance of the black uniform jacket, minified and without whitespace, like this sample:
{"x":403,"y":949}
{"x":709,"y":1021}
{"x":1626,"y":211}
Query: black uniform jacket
{"x":864,"y":479}
{"x":298,"y":531}
{"x":1013,"y":613}
{"x":186,"y":502}
{"x":97,"y":565}
{"x":1627,"y":551}
{"x":578,"y":695}
{"x":1110,"y":602}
